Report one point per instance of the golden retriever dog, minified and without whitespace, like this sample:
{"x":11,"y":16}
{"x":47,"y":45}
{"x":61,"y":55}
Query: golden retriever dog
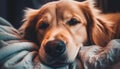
{"x":60,"y":28}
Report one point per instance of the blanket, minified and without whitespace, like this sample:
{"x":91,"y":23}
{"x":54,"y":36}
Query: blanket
{"x":18,"y":53}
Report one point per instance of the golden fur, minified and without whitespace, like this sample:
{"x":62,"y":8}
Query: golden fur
{"x":93,"y":28}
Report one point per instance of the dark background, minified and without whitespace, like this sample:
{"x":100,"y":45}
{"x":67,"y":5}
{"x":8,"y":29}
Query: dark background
{"x":12,"y":10}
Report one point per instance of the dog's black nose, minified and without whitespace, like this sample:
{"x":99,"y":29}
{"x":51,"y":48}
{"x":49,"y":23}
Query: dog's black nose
{"x":55,"y":48}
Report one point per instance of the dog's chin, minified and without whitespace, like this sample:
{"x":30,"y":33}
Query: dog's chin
{"x":55,"y":62}
{"x":58,"y":64}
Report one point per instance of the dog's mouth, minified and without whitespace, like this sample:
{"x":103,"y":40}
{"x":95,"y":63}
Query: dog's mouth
{"x":54,"y":53}
{"x":58,"y":64}
{"x":55,"y":62}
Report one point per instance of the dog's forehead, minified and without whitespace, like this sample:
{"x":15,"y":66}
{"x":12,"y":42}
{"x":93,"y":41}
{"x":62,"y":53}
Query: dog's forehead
{"x":61,"y":8}
{"x":62,"y":11}
{"x":67,"y":9}
{"x":67,"y":4}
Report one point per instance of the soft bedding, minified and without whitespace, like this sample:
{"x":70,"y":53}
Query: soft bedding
{"x":18,"y":53}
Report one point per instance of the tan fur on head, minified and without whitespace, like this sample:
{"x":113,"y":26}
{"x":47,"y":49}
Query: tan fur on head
{"x":29,"y":15}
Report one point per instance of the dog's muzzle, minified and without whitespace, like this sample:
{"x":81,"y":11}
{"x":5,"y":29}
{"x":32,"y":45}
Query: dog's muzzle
{"x":55,"y":48}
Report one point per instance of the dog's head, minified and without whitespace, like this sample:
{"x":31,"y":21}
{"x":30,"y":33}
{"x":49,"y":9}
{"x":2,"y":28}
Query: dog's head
{"x":60,"y":28}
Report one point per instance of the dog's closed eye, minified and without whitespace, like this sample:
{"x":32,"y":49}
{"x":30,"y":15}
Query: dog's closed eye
{"x":43,"y":25}
{"x":73,"y":21}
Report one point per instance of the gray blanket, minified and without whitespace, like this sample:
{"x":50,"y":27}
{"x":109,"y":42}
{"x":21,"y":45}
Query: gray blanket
{"x":17,"y":53}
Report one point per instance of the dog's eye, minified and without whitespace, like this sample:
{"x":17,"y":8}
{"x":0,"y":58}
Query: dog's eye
{"x":73,"y":21}
{"x":43,"y":25}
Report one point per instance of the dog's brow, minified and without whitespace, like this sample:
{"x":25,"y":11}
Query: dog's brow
{"x":45,"y":18}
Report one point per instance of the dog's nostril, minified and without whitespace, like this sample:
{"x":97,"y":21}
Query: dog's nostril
{"x":60,"y":48}
{"x":55,"y":48}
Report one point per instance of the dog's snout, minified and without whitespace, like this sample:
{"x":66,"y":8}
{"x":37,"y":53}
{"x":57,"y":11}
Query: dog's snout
{"x":55,"y":48}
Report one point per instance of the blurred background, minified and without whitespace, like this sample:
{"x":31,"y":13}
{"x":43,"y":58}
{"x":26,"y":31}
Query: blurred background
{"x":12,"y":10}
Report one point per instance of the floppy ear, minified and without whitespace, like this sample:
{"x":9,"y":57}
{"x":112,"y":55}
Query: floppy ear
{"x":28,"y":27}
{"x":98,"y":31}
{"x":101,"y":33}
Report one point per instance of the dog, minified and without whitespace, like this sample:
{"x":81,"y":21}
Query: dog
{"x":62,"y":27}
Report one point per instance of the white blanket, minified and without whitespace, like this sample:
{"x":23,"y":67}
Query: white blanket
{"x":16,"y":53}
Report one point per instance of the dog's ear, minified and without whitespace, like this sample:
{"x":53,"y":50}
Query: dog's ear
{"x":101,"y":34}
{"x":28,"y":27}
{"x":98,"y":31}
